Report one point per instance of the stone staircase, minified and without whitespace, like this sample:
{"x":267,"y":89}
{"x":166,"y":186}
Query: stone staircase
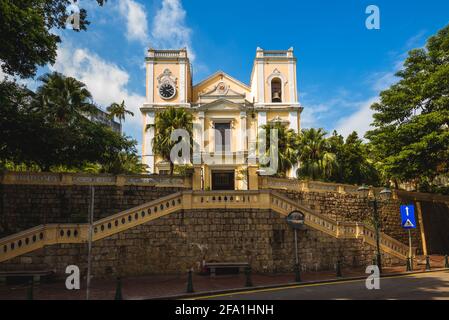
{"x":51,"y":234}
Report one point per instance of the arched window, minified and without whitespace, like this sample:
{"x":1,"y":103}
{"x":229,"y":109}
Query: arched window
{"x":276,"y":90}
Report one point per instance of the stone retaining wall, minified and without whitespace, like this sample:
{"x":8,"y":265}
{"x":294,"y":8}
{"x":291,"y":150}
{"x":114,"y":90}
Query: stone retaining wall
{"x":352,"y":207}
{"x":26,"y":206}
{"x":179,"y":241}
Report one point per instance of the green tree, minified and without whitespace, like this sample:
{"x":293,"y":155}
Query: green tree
{"x":316,"y":160}
{"x":411,"y":136}
{"x":287,"y":148}
{"x":63,"y":98}
{"x":119,"y":111}
{"x":353,"y":166}
{"x":34,"y":137}
{"x":166,"y":123}
{"x":124,"y":163}
{"x":26,"y":36}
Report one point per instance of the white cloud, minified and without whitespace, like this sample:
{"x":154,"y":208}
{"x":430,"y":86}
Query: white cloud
{"x":383,"y":80}
{"x":312,"y":115}
{"x":136,"y":20}
{"x":106,"y":81}
{"x":169,"y":29}
{"x":2,"y":74}
{"x":30,"y":83}
{"x":359,"y":121}
{"x":416,"y":40}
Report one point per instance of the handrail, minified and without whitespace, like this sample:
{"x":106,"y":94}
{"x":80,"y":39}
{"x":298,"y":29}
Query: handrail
{"x":40,"y":236}
{"x":85,"y":179}
{"x":292,"y":184}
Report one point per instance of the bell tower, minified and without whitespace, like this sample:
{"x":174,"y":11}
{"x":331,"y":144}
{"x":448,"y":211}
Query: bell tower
{"x":275,"y":91}
{"x":274,"y":86}
{"x":168,"y":84}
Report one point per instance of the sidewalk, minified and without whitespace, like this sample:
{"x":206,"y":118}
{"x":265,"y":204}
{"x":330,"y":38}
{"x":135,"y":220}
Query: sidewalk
{"x":153,"y":287}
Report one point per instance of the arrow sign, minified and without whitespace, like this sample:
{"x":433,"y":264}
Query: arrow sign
{"x":408,"y":217}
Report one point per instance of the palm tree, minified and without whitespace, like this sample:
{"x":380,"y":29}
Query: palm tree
{"x":64,"y":98}
{"x":316,"y":162}
{"x":287,"y":146}
{"x":124,"y":163}
{"x":119,"y":111}
{"x":167,"y":122}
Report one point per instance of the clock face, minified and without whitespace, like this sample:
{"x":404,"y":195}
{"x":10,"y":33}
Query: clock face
{"x":167,"y":91}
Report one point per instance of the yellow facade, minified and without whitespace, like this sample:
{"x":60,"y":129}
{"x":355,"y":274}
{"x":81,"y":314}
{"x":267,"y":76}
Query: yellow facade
{"x":221,"y":104}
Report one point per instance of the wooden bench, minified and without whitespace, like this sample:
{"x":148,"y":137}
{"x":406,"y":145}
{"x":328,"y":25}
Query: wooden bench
{"x":34,"y":275}
{"x":214,"y":266}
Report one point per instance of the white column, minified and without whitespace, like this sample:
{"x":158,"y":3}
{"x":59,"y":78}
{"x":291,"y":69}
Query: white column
{"x":261,"y":119}
{"x":243,"y":141}
{"x":260,"y":82}
{"x":293,"y":118}
{"x":182,"y":82}
{"x":150,"y":81}
{"x":148,"y":156}
{"x":292,"y":82}
{"x":198,"y":138}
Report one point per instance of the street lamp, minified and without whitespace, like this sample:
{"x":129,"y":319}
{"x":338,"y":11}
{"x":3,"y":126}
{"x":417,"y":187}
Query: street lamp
{"x":296,"y":220}
{"x":375,"y":202}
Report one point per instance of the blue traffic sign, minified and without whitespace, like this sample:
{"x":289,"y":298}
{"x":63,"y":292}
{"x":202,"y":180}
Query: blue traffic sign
{"x":408,"y":217}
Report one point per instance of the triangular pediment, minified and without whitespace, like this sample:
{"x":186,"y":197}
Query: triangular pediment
{"x":223,"y":105}
{"x":220,"y":85}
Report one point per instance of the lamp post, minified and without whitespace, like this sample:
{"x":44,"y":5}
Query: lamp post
{"x":375,"y":202}
{"x":296,"y":220}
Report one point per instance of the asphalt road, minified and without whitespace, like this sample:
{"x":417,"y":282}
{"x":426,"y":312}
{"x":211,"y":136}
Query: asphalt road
{"x":426,"y":286}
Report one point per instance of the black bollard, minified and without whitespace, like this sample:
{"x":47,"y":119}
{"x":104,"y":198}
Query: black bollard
{"x":428,"y":263}
{"x":297,"y":273}
{"x":190,"y":282}
{"x":249,"y":281}
{"x":118,"y":290}
{"x":409,"y":264}
{"x":30,"y":295}
{"x":338,"y":269}
{"x":446,"y":262}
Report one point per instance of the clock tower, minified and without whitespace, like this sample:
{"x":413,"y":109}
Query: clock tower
{"x":168,"y":83}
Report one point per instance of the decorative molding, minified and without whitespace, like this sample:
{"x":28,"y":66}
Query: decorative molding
{"x":167,"y":77}
{"x":278,"y":119}
{"x":277,"y":74}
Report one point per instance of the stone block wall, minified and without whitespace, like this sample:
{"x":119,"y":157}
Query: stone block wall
{"x":25,"y":206}
{"x":177,"y":242}
{"x":352,"y":207}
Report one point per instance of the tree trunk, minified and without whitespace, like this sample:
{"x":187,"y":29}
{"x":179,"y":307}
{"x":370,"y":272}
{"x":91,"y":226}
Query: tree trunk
{"x":172,"y":168}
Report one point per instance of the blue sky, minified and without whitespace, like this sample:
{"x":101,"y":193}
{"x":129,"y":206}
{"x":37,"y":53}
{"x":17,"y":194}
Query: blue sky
{"x":342,"y":66}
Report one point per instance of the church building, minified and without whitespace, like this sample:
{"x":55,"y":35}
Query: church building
{"x":227,"y":114}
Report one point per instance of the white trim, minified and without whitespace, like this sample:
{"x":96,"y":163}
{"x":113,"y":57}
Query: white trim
{"x":293,"y":118}
{"x":243,"y":142}
{"x":225,"y":75}
{"x":182,"y":83}
{"x":277,"y":74}
{"x":260,"y":82}
{"x":261,"y":119}
{"x":148,"y":156}
{"x":291,"y":81}
{"x":150,"y":84}
{"x":198,"y":137}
